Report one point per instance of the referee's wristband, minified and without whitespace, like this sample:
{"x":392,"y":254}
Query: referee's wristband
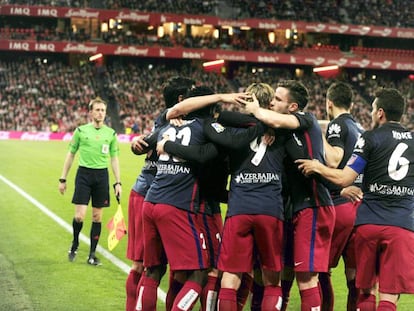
{"x":117,"y":183}
{"x":62,"y":180}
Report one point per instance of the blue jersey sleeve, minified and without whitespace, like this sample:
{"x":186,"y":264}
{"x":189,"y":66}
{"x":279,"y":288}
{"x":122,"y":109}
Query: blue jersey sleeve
{"x":357,"y":163}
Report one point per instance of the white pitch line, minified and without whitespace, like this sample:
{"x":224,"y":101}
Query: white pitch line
{"x":115,"y":260}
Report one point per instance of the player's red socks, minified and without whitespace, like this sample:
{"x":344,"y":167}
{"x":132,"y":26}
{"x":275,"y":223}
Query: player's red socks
{"x":131,"y":289}
{"x":366,"y":302}
{"x":326,"y":291}
{"x":209,"y":294}
{"x":227,"y":300}
{"x":187,"y":296}
{"x":244,"y":290}
{"x":386,"y":306}
{"x":352,"y":295}
{"x":173,"y":291}
{"x":286,"y":287}
{"x":310,"y":298}
{"x":257,"y":297}
{"x":272,"y":298}
{"x":147,"y":294}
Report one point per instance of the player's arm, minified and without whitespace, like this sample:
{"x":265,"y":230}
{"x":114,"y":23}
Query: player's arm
{"x":117,"y":175}
{"x":333,"y":154}
{"x":194,"y":153}
{"x":341,"y":177}
{"x":269,"y":117}
{"x":66,"y":167}
{"x":232,"y":138}
{"x":236,"y":119}
{"x":197,"y":102}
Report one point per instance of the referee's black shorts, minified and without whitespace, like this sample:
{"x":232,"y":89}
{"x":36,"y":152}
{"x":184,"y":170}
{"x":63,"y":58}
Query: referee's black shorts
{"x":91,"y":183}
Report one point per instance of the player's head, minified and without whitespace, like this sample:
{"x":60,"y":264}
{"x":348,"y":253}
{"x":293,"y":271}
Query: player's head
{"x":290,"y":96}
{"x":94,"y":102}
{"x":340,"y":95}
{"x":97,"y":110}
{"x":175,"y":89}
{"x":388,"y":105}
{"x":203,"y":112}
{"x":264,"y":93}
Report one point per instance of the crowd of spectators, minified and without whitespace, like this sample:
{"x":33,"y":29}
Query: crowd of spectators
{"x":53,"y":96}
{"x":390,"y":13}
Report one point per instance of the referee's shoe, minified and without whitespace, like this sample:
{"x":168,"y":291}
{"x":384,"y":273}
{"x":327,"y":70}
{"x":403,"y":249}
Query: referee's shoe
{"x":93,"y":260}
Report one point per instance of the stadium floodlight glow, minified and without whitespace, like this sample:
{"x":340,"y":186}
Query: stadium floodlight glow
{"x":325,"y":68}
{"x":95,"y":57}
{"x":214,"y":63}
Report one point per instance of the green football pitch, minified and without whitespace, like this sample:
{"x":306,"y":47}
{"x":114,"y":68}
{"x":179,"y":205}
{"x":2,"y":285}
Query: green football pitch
{"x":35,"y":231}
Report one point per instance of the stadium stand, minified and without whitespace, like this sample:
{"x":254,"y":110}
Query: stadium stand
{"x":48,"y":91}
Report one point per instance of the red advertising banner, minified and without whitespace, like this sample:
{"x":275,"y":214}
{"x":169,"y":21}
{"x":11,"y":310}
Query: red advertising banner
{"x":310,"y":57}
{"x":46,"y":136}
{"x":160,"y":18}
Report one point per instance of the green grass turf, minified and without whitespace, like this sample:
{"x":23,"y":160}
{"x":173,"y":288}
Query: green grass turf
{"x":34,"y":271}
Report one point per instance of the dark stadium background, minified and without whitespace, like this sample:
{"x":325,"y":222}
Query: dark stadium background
{"x":47,"y":77}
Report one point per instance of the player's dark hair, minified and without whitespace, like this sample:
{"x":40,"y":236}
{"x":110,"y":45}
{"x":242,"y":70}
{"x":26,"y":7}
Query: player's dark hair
{"x":392,"y":102}
{"x":298,"y":93}
{"x":203,"y":112}
{"x":340,"y":94}
{"x":174,"y":87}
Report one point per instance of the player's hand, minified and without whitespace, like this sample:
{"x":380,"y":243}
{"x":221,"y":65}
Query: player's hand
{"x":138,"y":144}
{"x":118,"y":190}
{"x":352,"y":193}
{"x":269,"y":137}
{"x":177,"y":121}
{"x":161,"y":143}
{"x":308,"y":167}
{"x":249,"y":102}
{"x":62,"y":187}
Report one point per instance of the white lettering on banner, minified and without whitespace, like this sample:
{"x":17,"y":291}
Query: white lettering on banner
{"x":4,"y":135}
{"x":80,"y":48}
{"x":194,"y":21}
{"x":124,"y":138}
{"x":293,"y":60}
{"x":47,"y":12}
{"x":405,"y":34}
{"x":316,"y":28}
{"x":406,"y":66}
{"x":19,"y":46}
{"x":133,"y":16}
{"x":384,"y":65}
{"x":130,"y":50}
{"x":50,"y":47}
{"x":264,"y":25}
{"x":67,"y":137}
{"x":267,"y":59}
{"x":361,"y":30}
{"x":339,"y":62}
{"x":340,"y":29}
{"x":232,"y":23}
{"x":316,"y":61}
{"x":363,"y":63}
{"x":230,"y":57}
{"x":20,"y":11}
{"x":82,"y":13}
{"x":193,"y":55}
{"x":35,"y":136}
{"x":383,"y":32}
